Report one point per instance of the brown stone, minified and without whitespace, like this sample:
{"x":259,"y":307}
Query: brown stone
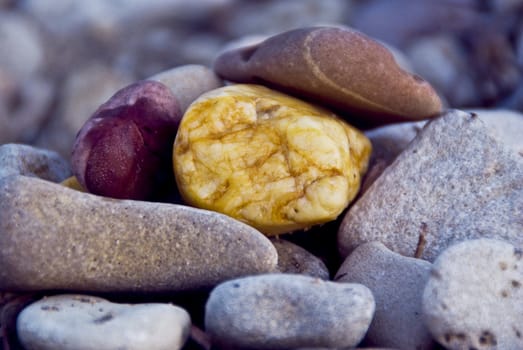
{"x":338,"y":67}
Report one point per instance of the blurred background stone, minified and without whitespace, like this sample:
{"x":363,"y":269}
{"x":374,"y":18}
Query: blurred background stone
{"x":61,"y":58}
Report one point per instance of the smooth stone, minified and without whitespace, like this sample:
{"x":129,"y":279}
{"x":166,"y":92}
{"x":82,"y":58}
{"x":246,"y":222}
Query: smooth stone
{"x":188,"y":82}
{"x":367,"y":84}
{"x":18,"y":159}
{"x":397,"y":283}
{"x":286,"y":311}
{"x":74,"y":321}
{"x":474,"y":296}
{"x":294,"y":259}
{"x":455,"y":181}
{"x":53,"y":237}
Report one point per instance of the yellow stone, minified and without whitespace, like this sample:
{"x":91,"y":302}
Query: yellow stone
{"x":268,"y":159}
{"x":72,"y":183}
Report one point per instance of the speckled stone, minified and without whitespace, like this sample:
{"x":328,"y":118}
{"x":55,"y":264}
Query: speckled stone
{"x":294,"y":259}
{"x":188,"y":82}
{"x":397,"y":284}
{"x":18,"y":159}
{"x":53,"y":237}
{"x":73,"y":321}
{"x":338,"y":67}
{"x":474,"y":296}
{"x":455,"y":181}
{"x":286,"y":311}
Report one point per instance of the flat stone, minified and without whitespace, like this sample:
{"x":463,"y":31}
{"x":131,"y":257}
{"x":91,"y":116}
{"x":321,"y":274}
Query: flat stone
{"x":53,"y":237}
{"x":397,"y":283}
{"x":18,"y":159}
{"x":338,"y":67}
{"x":294,"y":259}
{"x":455,"y":181}
{"x":474,"y":296}
{"x":286,"y":311}
{"x":188,"y":82}
{"x":73,"y":321}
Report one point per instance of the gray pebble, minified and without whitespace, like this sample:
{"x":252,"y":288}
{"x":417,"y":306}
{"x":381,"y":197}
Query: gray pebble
{"x":474,"y":296}
{"x":294,"y":259}
{"x":17,"y":159}
{"x":397,"y":284}
{"x":188,"y":82}
{"x":455,"y":181}
{"x":283,"y":311}
{"x":74,"y":322}
{"x":53,"y":237}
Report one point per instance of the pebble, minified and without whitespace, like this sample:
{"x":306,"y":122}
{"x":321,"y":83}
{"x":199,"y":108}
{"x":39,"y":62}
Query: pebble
{"x":18,"y":159}
{"x":396,"y":283}
{"x":474,"y":296}
{"x":285,"y":311}
{"x":188,"y":82}
{"x":75,"y":321}
{"x":454,"y":181}
{"x":294,"y":259}
{"x":369,"y":84}
{"x":54,"y":237}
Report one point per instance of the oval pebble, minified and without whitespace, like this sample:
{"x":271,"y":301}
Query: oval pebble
{"x":294,"y":259}
{"x":188,"y":82}
{"x":286,"y":311}
{"x":474,"y":296}
{"x":53,"y":237}
{"x":18,"y":159}
{"x":397,"y":284}
{"x":72,"y":322}
{"x":338,"y":67}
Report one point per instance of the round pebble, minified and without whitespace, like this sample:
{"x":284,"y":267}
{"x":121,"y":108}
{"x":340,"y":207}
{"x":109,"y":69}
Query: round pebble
{"x":474,"y":296}
{"x":54,"y":237}
{"x":285,"y":311}
{"x":71,"y":322}
{"x":339,"y":67}
{"x":294,"y":259}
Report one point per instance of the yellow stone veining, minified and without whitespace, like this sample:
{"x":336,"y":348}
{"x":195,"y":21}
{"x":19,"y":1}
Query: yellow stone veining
{"x":270,"y":160}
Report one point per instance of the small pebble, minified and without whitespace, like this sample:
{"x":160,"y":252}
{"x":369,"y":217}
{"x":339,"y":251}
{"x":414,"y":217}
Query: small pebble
{"x":366,"y":83}
{"x":188,"y":82}
{"x":474,"y":296}
{"x":456,"y":180}
{"x":294,"y":259}
{"x":18,"y":159}
{"x":73,"y":321}
{"x":397,"y":284}
{"x":285,"y":311}
{"x":54,"y":237}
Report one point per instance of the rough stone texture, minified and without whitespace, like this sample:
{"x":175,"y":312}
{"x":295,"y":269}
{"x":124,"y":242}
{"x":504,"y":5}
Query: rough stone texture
{"x":387,"y":143}
{"x":188,"y":82}
{"x":17,"y":159}
{"x":455,"y":181}
{"x":67,"y":322}
{"x":294,"y":259}
{"x":285,"y":311}
{"x":338,"y":67}
{"x":474,"y":296}
{"x":53,"y":237}
{"x":397,"y":283}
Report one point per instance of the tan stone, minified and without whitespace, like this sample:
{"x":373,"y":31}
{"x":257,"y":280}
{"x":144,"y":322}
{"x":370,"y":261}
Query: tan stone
{"x":339,"y":67}
{"x":268,"y":159}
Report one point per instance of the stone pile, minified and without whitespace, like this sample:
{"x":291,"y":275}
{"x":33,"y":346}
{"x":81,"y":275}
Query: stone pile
{"x":429,"y":253}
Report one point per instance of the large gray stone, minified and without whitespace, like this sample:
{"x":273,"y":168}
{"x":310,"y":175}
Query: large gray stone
{"x":456,"y":181}
{"x":17,"y":159}
{"x":286,"y":311}
{"x":53,"y":237}
{"x":71,"y":322}
{"x":397,"y":284}
{"x":474,"y":296}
